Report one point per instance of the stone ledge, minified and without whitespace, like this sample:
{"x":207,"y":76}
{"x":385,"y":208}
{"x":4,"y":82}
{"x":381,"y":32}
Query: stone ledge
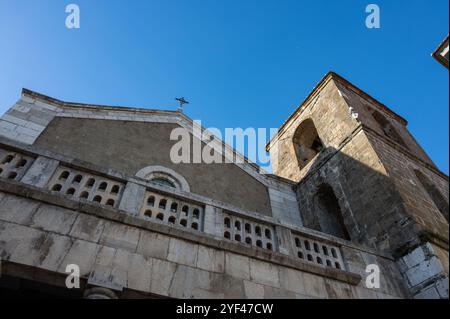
{"x":49,"y":197}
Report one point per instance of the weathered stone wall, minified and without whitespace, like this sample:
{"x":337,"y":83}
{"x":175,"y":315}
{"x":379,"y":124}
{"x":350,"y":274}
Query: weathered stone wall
{"x":391,"y":220}
{"x":129,"y":255}
{"x":415,"y":199}
{"x":245,"y":187}
{"x":426,"y":271}
{"x":363,"y":105}
{"x":371,"y":164}
{"x":61,"y":229}
{"x":88,"y":182}
{"x":370,"y":205}
{"x":26,"y":120}
{"x":130,"y":146}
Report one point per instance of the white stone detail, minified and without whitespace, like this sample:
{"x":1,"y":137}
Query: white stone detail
{"x":151,"y":172}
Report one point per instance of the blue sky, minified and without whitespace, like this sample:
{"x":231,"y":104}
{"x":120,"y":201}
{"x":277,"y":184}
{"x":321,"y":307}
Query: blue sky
{"x":241,"y":63}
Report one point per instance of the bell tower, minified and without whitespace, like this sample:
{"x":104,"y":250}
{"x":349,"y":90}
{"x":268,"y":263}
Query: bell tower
{"x":361,"y":176}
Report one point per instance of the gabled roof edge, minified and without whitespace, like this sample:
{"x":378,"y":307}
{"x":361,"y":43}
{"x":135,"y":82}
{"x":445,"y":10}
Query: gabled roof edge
{"x":63,"y":104}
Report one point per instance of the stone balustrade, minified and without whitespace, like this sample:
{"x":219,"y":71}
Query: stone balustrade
{"x":172,"y":211}
{"x":13,"y":165}
{"x":82,"y":185}
{"x":317,"y":252}
{"x":248,"y":232}
{"x":180,"y":211}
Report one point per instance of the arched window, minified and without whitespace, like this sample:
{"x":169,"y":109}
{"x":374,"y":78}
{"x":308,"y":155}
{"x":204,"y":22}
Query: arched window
{"x":316,"y":248}
{"x":110,"y":202}
{"x":148,"y":213}
{"x":103,"y":186}
{"x":333,"y":253}
{"x":329,"y":212}
{"x":307,"y":143}
{"x":196,"y":213}
{"x":388,"y":129}
{"x":77,"y":179}
{"x":307,"y":245}
{"x":90,"y":183}
{"x":12,"y":175}
{"x":56,"y":187}
{"x":174,"y":207}
{"x":437,"y":197}
{"x":21,"y":163}
{"x":8,"y":159}
{"x":164,"y":176}
{"x":64,"y":175}
{"x":162,"y":203}
{"x":97,"y":199}
{"x":151,"y":201}
{"x":115,"y":189}
{"x":84,"y":195}
{"x":163,"y":182}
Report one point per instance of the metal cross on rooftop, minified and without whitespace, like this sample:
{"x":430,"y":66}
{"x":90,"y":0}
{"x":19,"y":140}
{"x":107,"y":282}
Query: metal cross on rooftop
{"x":182,"y":101}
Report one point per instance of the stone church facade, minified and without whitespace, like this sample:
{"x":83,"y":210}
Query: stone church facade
{"x":94,"y":186}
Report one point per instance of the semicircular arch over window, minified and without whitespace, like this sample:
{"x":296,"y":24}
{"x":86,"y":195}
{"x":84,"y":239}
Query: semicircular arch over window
{"x":164,"y":176}
{"x":307,"y":143}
